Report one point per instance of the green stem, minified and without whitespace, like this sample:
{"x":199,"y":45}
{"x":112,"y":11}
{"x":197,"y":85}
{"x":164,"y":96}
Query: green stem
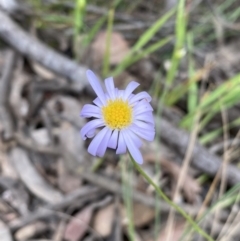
{"x":171,"y":203}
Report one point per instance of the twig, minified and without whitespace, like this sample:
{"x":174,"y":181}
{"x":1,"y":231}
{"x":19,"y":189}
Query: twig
{"x":219,"y":146}
{"x":5,"y":82}
{"x":38,"y":51}
{"x":28,"y":144}
{"x":83,"y":194}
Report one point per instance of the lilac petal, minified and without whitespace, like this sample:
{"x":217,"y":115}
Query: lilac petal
{"x":113,"y":140}
{"x":141,"y":107}
{"x":140,"y":96}
{"x":130,"y":88}
{"x":94,"y":82}
{"x":98,"y":102}
{"x":143,"y":133}
{"x":134,"y":151}
{"x":135,"y":138}
{"x":107,"y":97}
{"x":120,"y":94}
{"x":91,"y":133}
{"x":130,"y":97}
{"x":146,"y":116}
{"x":122,"y":148}
{"x":97,"y":140}
{"x":110,"y":87}
{"x":104,"y":143}
{"x":90,"y":111}
{"x":116,"y":92}
{"x":144,"y":125}
{"x":90,"y":126}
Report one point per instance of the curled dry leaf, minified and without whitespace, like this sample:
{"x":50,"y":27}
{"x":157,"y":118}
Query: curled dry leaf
{"x":103,"y":220}
{"x":119,"y":48}
{"x":31,"y":178}
{"x":79,"y":224}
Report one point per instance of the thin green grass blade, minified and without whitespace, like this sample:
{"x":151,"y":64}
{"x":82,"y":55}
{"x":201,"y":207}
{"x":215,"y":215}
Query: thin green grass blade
{"x":133,"y":58}
{"x":109,"y":35}
{"x":95,"y":29}
{"x":148,"y":34}
{"x":79,"y":13}
{"x":193,"y":89}
{"x":225,"y":92}
{"x":180,"y":30}
{"x":209,"y":137}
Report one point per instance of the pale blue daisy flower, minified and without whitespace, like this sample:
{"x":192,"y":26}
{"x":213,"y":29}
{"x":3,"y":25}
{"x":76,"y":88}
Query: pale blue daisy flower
{"x":126,"y":118}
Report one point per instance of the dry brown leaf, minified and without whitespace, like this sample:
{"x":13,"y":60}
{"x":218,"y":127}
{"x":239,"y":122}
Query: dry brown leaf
{"x":177,"y":232}
{"x":103,"y":220}
{"x":67,"y":182}
{"x":142,"y":214}
{"x":119,"y":47}
{"x":30,"y":231}
{"x":79,"y":224}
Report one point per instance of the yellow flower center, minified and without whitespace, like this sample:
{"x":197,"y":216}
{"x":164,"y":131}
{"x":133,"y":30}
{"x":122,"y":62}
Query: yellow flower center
{"x":117,"y":114}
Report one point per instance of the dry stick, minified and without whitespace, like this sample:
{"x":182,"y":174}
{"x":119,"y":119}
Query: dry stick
{"x":224,"y":165}
{"x":5,"y":83}
{"x":184,"y":169}
{"x":219,"y":146}
{"x":83,"y":194}
{"x":235,"y":206}
{"x":233,"y":229}
{"x":202,"y":159}
{"x":34,"y":49}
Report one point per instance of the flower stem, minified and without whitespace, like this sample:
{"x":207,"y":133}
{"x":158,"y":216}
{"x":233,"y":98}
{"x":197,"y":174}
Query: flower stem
{"x":170,"y":202}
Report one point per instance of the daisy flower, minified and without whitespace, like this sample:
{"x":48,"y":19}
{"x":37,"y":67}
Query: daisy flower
{"x":125,"y":118}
